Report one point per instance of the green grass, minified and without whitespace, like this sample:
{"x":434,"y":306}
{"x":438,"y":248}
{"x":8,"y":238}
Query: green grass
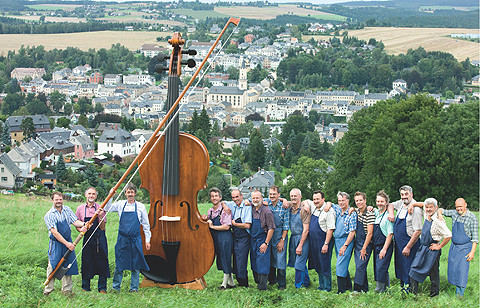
{"x":23,"y":262}
{"x":48,"y":7}
{"x":199,"y":14}
{"x":329,"y":17}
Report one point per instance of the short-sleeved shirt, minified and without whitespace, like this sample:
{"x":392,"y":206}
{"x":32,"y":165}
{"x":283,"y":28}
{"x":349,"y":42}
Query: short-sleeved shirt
{"x":385,"y":225}
{"x":123,"y":206}
{"x":439,"y":228}
{"x":282,"y":212}
{"x":350,"y":222}
{"x":52,"y":217}
{"x":414,"y":221}
{"x":265,"y":215}
{"x":225,"y":219}
{"x":469,"y":220}
{"x":366,"y":218}
{"x":90,"y":212}
{"x":326,"y":220}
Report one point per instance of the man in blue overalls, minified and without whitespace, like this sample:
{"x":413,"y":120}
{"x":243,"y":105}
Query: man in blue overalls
{"x":241,"y":222}
{"x":58,"y":220}
{"x":427,"y":259}
{"x":219,"y":222}
{"x":261,"y":232}
{"x":464,"y":244}
{"x":95,"y":250}
{"x":128,"y":250}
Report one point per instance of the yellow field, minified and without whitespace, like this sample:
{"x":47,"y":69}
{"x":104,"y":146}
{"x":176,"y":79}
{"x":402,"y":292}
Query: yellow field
{"x":265,"y":13}
{"x":399,"y":40}
{"x":132,"y":40}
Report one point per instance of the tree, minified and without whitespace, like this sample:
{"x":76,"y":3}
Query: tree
{"x":236,"y":167}
{"x":57,"y":100}
{"x":254,"y":117}
{"x":98,"y":108}
{"x":224,"y":186}
{"x":6,"y":135}
{"x":256,"y":151}
{"x":61,"y":170}
{"x":63,"y":122}
{"x":308,"y":175}
{"x":91,"y":175}
{"x":28,"y":128}
{"x":82,"y":120}
{"x":128,"y":124}
{"x":12,"y":102}
{"x":204,"y":123}
{"x":67,"y":109}
{"x":193,"y":125}
{"x":244,"y":130}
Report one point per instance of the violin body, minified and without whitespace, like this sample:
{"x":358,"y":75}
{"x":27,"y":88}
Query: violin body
{"x":196,"y":249}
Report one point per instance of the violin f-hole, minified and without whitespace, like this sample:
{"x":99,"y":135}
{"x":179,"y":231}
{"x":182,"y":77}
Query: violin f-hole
{"x":189,"y":216}
{"x":155,"y":213}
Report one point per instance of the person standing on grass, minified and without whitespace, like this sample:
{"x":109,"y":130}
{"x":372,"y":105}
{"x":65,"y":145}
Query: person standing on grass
{"x":58,"y":220}
{"x":382,"y":242}
{"x":464,"y":244}
{"x":406,"y":231}
{"x":219,"y":222}
{"x":363,"y":238}
{"x":128,"y":250}
{"x":299,"y":246}
{"x":95,"y":250}
{"x":427,"y":259}
{"x":261,"y":231}
{"x":241,"y":222}
{"x":322,"y":226}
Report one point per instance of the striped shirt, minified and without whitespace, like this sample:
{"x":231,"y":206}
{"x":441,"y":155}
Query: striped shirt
{"x":366,"y":218}
{"x":470,"y":222}
{"x":53,"y":217}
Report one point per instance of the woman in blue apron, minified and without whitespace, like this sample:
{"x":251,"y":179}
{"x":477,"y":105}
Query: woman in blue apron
{"x":343,"y":276}
{"x":299,"y":262}
{"x":241,"y":248}
{"x":322,"y":263}
{"x":223,"y":242}
{"x":279,"y":259}
{"x":402,"y":263}
{"x":128,"y":250}
{"x":458,"y":265}
{"x":260,"y":261}
{"x":381,"y":265}
{"x":361,"y":280}
{"x":94,"y":255}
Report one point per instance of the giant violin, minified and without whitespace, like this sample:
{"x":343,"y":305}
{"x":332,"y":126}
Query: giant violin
{"x":173,"y":172}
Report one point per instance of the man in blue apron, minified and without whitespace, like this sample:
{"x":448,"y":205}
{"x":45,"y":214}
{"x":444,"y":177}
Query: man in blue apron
{"x":322,"y":226}
{"x":278,"y":261}
{"x":95,"y":250}
{"x":58,"y":220}
{"x":363,"y":238}
{"x":299,"y":246}
{"x":241,"y":222}
{"x":128,"y":250}
{"x":427,"y":259}
{"x":382,"y":242}
{"x":261,"y":232}
{"x":406,"y":231}
{"x":463,"y":246}
{"x":345,"y":229}
{"x":219,"y":222}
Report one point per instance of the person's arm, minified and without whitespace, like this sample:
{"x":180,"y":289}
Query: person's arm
{"x":328,"y":238}
{"x":226,"y":207}
{"x":391,"y":214}
{"x":471,"y":254}
{"x":444,"y":231}
{"x":447,"y":213}
{"x":350,"y":237}
{"x":281,"y":243}
{"x":444,"y":242}
{"x":60,"y":238}
{"x":306,"y":228}
{"x":145,"y":224}
{"x":388,"y":241}
{"x":368,"y":239}
{"x":412,"y":205}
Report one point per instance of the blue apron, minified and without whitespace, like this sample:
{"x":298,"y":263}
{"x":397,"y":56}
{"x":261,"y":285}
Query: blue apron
{"x":402,"y":263}
{"x":260,"y":261}
{"x":425,"y":258}
{"x":279,"y":259}
{"x":128,"y":250}
{"x":95,"y":251}
{"x":381,"y":266}
{"x":458,"y":265}
{"x":57,"y":249}
{"x":340,"y":239}
{"x":361,"y":265}
{"x":296,"y":227}
{"x":321,"y":262}
{"x":241,"y":248}
{"x":223,"y":242}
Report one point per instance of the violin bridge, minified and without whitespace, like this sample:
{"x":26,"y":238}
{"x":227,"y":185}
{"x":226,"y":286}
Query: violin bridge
{"x":169,"y":218}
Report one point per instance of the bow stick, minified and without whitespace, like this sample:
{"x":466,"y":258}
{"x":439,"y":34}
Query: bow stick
{"x":60,"y":271}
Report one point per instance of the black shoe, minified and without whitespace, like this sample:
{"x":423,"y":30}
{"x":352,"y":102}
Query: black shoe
{"x":231,"y":287}
{"x":222,"y":288}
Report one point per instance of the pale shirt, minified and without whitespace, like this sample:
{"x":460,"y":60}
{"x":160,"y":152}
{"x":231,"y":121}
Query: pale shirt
{"x":141,"y":213}
{"x":386,"y":226}
{"x":439,"y":229}
{"x":414,"y":222}
{"x":326,"y":220}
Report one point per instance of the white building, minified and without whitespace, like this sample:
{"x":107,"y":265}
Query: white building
{"x":116,"y":141}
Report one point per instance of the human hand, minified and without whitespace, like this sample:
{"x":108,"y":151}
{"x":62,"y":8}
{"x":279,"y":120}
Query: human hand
{"x":470,"y":256}
{"x":382,"y":254}
{"x":406,"y":251}
{"x":324,"y":248}
{"x":147,"y":246}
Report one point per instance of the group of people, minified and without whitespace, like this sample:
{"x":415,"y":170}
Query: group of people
{"x":259,"y":227}
{"x":415,"y":236}
{"x":128,"y":249}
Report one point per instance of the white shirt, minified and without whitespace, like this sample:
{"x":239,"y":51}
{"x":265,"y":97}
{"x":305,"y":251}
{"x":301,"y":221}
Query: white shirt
{"x":141,"y":212}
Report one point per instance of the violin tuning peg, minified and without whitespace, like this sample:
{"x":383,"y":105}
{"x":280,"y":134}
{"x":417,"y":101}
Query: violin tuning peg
{"x":190,"y":63}
{"x":161,"y":56}
{"x":190,"y":52}
{"x":159,"y":68}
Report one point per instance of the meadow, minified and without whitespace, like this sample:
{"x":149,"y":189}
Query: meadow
{"x":264,"y":13}
{"x":23,"y":262}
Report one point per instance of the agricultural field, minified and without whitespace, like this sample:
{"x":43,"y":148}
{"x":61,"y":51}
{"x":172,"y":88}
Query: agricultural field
{"x":53,"y":7}
{"x":399,"y":40}
{"x":132,"y":40}
{"x":199,"y":14}
{"x":264,"y":13}
{"x":23,"y":262}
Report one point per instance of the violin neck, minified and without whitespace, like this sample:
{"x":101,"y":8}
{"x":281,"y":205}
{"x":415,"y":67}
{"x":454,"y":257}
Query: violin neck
{"x":171,"y":181}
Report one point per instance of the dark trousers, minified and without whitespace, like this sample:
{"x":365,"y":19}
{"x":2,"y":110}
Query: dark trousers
{"x":360,"y":288}
{"x":277,"y":275}
{"x":242,"y":282}
{"x":102,"y":283}
{"x":261,"y":280}
{"x":344,"y":283}
{"x":434,"y":275}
